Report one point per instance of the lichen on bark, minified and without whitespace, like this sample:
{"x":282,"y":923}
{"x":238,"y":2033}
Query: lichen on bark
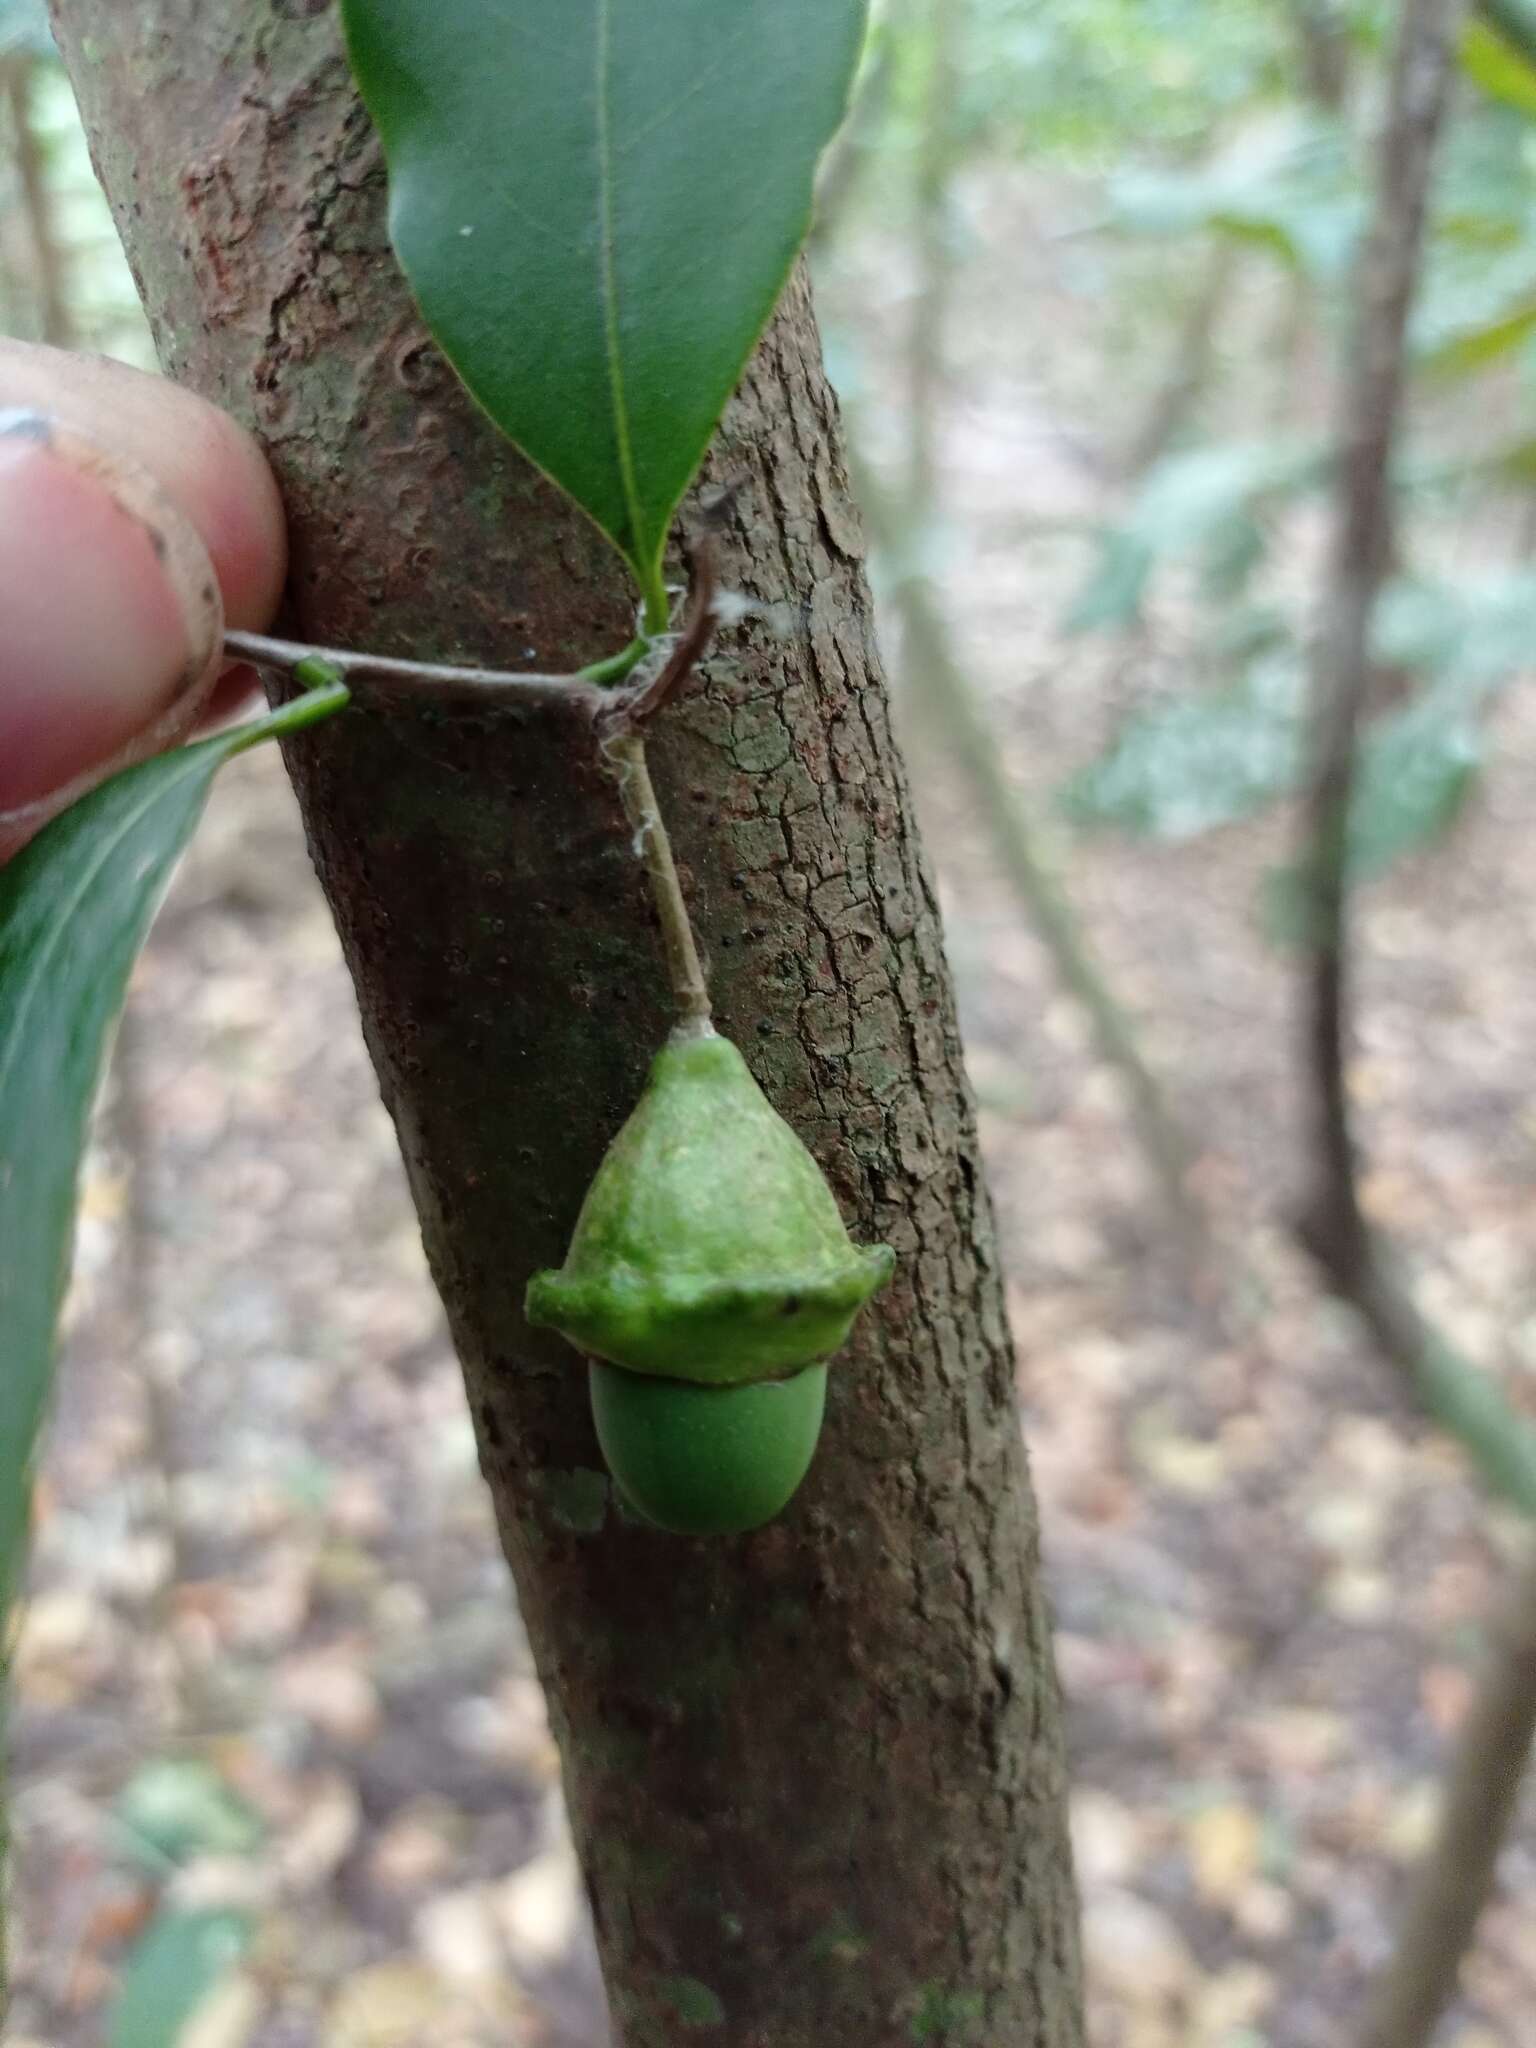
{"x":815,"y":1773}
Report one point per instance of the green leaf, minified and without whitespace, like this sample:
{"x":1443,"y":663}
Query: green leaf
{"x":179,"y":1960}
{"x":75,"y":905}
{"x":597,"y":203}
{"x":1476,"y":347}
{"x":1498,"y":68}
{"x":1513,"y":24}
{"x":1471,"y":636}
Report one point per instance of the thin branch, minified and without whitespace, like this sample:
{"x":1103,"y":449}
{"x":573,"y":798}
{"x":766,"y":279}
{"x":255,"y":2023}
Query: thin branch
{"x":933,"y":230}
{"x":619,"y":715}
{"x":1189,"y":364}
{"x":934,"y":678}
{"x":388,"y":676}
{"x":1481,"y":1793}
{"x":846,"y":160}
{"x":941,"y":690}
{"x":54,"y":321}
{"x":1324,"y":44}
{"x":1465,"y":1401}
{"x":1334,"y":1226}
{"x":1457,"y":1874}
{"x":637,"y":707}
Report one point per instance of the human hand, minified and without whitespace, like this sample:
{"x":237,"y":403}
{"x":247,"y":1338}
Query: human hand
{"x":135,"y":520}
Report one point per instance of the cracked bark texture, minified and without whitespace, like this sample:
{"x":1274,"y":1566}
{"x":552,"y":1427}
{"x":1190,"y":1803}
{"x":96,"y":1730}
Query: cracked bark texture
{"x":815,"y":1773}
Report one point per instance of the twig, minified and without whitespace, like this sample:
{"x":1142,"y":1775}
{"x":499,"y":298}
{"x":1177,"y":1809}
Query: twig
{"x":927,"y":349}
{"x":620,"y":716}
{"x":939,"y":686}
{"x":1457,"y":1874}
{"x":55,"y":324}
{"x":1324,"y":42}
{"x":844,"y":163}
{"x":933,"y":676}
{"x":1189,"y":363}
{"x":583,"y":691}
{"x":637,"y":707}
{"x":1466,"y":1402}
{"x":621,"y":744}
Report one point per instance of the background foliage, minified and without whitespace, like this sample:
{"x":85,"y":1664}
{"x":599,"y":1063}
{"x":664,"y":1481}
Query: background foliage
{"x":1271,"y":1585}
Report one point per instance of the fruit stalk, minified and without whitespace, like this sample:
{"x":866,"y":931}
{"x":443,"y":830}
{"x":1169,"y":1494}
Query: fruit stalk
{"x":625,"y":754}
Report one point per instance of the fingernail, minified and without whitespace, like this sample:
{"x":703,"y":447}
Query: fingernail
{"x":109,"y":615}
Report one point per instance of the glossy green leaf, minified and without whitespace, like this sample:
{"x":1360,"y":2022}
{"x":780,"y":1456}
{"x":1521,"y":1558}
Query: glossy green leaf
{"x":596,"y":203}
{"x":75,"y":905}
{"x":181,"y":1957}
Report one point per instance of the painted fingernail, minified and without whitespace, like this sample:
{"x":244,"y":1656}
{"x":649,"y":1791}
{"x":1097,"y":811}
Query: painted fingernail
{"x":109,"y":612}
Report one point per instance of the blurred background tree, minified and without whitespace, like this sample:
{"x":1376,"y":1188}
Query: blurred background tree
{"x":1087,"y":278}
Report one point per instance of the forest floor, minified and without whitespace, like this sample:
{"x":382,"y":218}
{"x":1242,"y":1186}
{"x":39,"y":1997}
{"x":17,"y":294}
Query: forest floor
{"x":263,"y":1547}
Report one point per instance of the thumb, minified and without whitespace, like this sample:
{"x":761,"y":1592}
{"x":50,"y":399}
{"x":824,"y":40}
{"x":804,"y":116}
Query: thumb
{"x":113,"y":621}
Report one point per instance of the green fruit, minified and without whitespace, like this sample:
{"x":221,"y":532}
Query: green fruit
{"x":708,"y":1275}
{"x":702,"y":1460}
{"x":709,"y":1246}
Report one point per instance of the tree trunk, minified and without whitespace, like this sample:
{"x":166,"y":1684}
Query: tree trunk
{"x":815,"y":1774}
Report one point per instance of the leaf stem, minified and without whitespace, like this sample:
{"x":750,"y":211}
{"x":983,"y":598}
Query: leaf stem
{"x":624,"y":753}
{"x":316,"y":673}
{"x":329,"y":693}
{"x":614,"y":667}
{"x":658,"y":608}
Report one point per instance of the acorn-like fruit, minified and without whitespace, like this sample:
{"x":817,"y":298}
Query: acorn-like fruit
{"x":710,"y":1259}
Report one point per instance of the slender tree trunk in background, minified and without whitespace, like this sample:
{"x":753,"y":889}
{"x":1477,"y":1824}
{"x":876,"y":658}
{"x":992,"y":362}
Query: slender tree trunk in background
{"x":816,"y":1773}
{"x":1478,"y":1807}
{"x":18,"y":78}
{"x":1325,"y":46}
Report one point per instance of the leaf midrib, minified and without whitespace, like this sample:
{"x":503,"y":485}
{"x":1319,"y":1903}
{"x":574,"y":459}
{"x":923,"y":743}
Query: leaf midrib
{"x":608,"y":290}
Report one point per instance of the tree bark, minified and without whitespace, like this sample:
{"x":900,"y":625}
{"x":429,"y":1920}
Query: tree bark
{"x":815,"y":1774}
